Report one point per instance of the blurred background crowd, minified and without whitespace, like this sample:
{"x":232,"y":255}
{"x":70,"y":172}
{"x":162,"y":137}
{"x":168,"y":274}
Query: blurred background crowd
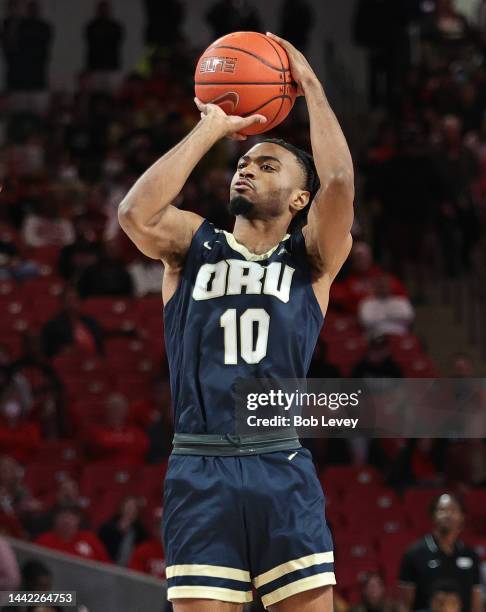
{"x":85,"y":424}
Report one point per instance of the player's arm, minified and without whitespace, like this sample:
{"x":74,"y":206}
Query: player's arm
{"x":477,"y":600}
{"x":327,"y":234}
{"x":146,"y":214}
{"x":406,"y":596}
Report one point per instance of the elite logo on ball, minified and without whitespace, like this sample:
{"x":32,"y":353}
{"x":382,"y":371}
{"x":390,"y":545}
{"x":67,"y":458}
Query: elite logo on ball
{"x":218,"y":64}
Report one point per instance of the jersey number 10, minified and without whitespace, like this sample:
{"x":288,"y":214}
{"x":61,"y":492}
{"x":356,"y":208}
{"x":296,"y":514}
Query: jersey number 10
{"x":253,"y":332}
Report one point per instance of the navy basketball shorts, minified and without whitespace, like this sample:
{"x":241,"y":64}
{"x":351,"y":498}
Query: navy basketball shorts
{"x":234,"y":524}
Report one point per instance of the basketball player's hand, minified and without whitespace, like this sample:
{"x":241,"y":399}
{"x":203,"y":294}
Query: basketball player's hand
{"x":231,"y":125}
{"x":300,"y":68}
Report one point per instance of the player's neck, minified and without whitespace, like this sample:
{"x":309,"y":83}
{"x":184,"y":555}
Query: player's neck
{"x":259,"y":236}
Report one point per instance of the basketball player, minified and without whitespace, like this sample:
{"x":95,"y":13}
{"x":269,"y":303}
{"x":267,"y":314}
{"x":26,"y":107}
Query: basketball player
{"x":247,"y":511}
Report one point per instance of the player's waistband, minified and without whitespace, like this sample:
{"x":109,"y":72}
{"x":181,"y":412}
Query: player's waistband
{"x":227,"y":445}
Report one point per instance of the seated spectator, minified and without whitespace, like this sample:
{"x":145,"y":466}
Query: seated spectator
{"x":47,"y":226}
{"x":12,"y":265}
{"x":9,"y":569}
{"x":15,"y":499}
{"x":378,"y":362}
{"x":115,"y":441}
{"x":373,"y":595}
{"x":71,"y":328}
{"x":124,"y":531}
{"x":147,"y":276}
{"x":358,"y":284}
{"x":447,"y":36}
{"x":441,"y":555}
{"x":67,"y":537}
{"x":74,"y":258}
{"x":19,"y":437}
{"x":67,"y":495}
{"x":420,"y":462}
{"x":148,"y":557}
{"x":44,"y":384}
{"x":14,"y":381}
{"x":107,"y":276}
{"x":384,"y":313}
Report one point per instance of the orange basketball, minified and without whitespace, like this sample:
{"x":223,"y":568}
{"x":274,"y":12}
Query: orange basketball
{"x":246,"y":73}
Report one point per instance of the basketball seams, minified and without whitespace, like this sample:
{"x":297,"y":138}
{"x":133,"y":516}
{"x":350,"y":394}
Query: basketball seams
{"x":260,"y":59}
{"x":254,"y":110}
{"x":276,"y":51}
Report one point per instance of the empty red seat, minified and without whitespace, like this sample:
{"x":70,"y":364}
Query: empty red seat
{"x":337,"y":478}
{"x":96,"y":478}
{"x":50,"y":285}
{"x":42,"y":479}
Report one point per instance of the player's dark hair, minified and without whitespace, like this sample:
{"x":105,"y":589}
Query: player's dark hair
{"x":312,"y":183}
{"x":458,"y":500}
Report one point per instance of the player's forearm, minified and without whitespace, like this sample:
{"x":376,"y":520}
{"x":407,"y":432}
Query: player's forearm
{"x":163,"y":181}
{"x":329,"y":147}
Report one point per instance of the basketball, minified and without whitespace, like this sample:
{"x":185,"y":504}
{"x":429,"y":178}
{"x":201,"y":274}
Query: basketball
{"x":247,"y":73}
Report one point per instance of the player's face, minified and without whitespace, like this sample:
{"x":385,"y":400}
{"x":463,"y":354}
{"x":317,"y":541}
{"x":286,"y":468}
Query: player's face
{"x":268,"y":183}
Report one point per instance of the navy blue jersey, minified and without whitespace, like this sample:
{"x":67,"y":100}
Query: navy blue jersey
{"x":236,"y":315}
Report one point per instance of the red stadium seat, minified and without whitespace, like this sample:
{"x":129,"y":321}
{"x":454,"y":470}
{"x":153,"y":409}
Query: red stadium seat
{"x":97,"y":478}
{"x":43,"y":286}
{"x":417,"y":506}
{"x":150,"y":483}
{"x":66,"y":451}
{"x":338,"y":477}
{"x":475,"y":501}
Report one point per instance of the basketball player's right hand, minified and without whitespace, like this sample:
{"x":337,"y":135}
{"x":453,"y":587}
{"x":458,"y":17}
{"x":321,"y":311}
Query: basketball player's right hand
{"x":231,"y":125}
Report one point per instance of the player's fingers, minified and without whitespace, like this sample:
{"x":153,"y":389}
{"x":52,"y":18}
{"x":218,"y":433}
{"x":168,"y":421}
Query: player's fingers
{"x":252,"y":119}
{"x":237,"y":136}
{"x":202,"y":107}
{"x":285,"y":43}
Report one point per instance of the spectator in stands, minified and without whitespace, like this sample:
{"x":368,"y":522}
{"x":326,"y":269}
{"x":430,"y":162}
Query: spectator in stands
{"x":9,"y":569}
{"x":45,"y":387}
{"x":47,"y":226}
{"x":164,"y":22}
{"x":440,"y":555}
{"x":420,"y":462}
{"x":373,"y":595}
{"x":378,"y":362}
{"x":107,"y":276}
{"x":13,"y":265}
{"x":104,"y":37}
{"x":19,"y":437}
{"x":13,"y":381}
{"x":11,"y":44}
{"x":71,"y":328}
{"x":35,"y":40}
{"x":74,"y":258}
{"x":226,"y":16}
{"x":358,"y":284}
{"x":384,"y":313}
{"x":116,"y":441}
{"x":148,"y":557}
{"x":124,"y":531}
{"x":67,"y":496}
{"x":456,"y":168}
{"x":15,"y":499}
{"x":446,"y":37}
{"x":67,"y":537}
{"x":296,"y":22}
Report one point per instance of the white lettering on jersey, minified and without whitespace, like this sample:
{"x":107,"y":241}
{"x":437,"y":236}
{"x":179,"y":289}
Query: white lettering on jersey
{"x":210,"y":281}
{"x":230,"y":276}
{"x":244,"y":274}
{"x":271,"y":286}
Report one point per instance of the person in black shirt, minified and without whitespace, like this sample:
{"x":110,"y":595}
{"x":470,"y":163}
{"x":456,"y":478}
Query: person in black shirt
{"x":440,"y":555}
{"x":104,"y":37}
{"x":378,"y":362}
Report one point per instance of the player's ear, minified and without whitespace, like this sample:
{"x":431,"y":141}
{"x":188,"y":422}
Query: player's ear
{"x":300,"y":199}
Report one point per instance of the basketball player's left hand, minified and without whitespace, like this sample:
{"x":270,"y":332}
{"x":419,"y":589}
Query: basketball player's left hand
{"x":300,"y":68}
